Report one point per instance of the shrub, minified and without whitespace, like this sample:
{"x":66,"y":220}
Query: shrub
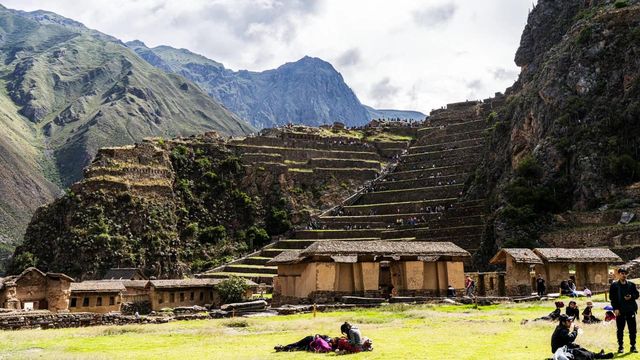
{"x":232,"y":289}
{"x":21,"y":262}
{"x":584,"y":36}
{"x":529,"y":168}
{"x":624,"y":168}
{"x":190,"y":231}
{"x":492,"y":117}
{"x":212,"y":234}
{"x":256,"y":237}
{"x":621,"y":3}
{"x":231,"y":165}
{"x":277,"y":221}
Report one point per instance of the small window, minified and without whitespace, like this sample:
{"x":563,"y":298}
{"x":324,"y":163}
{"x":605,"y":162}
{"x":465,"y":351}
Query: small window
{"x":99,"y":301}
{"x":172,"y":297}
{"x":74,"y":302}
{"x":112,"y":300}
{"x":181,"y":297}
{"x":160,"y":298}
{"x":201,"y":295}
{"x":491,"y":283}
{"x":85,"y":302}
{"x":192,"y":296}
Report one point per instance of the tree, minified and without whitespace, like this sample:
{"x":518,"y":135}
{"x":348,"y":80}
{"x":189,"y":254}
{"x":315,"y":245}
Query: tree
{"x":232,"y":289}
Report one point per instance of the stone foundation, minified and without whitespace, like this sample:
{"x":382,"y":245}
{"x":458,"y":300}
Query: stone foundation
{"x":48,"y":320}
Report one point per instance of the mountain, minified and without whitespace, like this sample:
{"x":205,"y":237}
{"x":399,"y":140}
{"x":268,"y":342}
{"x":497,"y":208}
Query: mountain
{"x":67,"y":91}
{"x":394,"y":114}
{"x":309,"y":91}
{"x":566,"y":144}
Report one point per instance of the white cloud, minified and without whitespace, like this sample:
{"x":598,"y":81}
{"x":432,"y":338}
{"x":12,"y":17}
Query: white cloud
{"x":408,"y":54}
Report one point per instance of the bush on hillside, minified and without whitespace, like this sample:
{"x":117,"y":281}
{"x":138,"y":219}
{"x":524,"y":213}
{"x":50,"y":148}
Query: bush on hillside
{"x":212,"y":234}
{"x":232,"y":289}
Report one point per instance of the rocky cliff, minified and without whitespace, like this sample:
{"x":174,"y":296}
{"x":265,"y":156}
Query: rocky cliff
{"x":567,"y":137}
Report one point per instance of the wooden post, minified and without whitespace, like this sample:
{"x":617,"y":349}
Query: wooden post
{"x":233,"y":313}
{"x":314,"y":310}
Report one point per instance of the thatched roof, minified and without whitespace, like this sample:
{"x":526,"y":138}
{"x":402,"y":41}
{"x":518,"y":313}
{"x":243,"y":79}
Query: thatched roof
{"x":584,"y":255}
{"x":123,"y":274}
{"x":97,"y":287}
{"x":384,"y":247}
{"x":519,"y":255}
{"x":347,"y":250}
{"x":187,"y":283}
{"x":286,"y":257}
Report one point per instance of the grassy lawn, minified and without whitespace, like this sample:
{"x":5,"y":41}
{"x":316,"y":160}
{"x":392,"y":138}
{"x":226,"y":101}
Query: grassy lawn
{"x":398,"y":332}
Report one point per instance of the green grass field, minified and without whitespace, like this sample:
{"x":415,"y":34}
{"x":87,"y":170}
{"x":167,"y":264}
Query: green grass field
{"x":398,"y":332}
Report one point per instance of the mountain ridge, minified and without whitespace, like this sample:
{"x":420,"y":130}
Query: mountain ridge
{"x":257,"y":95}
{"x":67,"y":91}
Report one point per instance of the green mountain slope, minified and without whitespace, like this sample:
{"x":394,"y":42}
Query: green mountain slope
{"x":68,"y":91}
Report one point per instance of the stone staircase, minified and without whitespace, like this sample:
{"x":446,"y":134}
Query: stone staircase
{"x":419,"y":200}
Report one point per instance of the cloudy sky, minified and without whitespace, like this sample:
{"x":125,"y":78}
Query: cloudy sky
{"x":405,"y":54}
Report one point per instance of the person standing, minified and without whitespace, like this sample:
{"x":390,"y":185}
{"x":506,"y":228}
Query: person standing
{"x":541,"y":287}
{"x":470,"y":286}
{"x":623,"y":295}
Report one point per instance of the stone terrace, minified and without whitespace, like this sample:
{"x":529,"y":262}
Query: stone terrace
{"x":307,"y":158}
{"x":420,"y":199}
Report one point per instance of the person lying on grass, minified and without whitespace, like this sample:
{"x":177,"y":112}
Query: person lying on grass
{"x":308,"y":343}
{"x":554,"y":315}
{"x":563,"y":344}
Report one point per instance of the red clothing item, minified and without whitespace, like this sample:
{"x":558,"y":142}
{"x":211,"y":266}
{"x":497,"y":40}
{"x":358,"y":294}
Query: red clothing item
{"x":344,"y":344}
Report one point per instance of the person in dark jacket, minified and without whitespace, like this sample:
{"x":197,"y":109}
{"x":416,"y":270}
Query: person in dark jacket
{"x":572,"y":310}
{"x":541,"y":287}
{"x":623,"y":295}
{"x":554,"y":315}
{"x":564,"y":336}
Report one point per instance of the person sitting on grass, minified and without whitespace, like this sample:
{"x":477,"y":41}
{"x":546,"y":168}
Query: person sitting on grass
{"x":572,"y":310}
{"x":303,"y":344}
{"x":554,"y":315}
{"x":562,"y":343}
{"x":587,"y":315}
{"x":354,"y":342}
{"x":564,"y":288}
{"x":353,"y":336}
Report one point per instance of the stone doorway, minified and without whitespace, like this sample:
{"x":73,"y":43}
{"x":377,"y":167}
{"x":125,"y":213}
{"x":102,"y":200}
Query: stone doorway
{"x":384,"y":279}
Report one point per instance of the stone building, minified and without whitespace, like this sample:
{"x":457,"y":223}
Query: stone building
{"x":34,"y":290}
{"x":327,"y":270}
{"x":589,"y":267}
{"x":96,"y":296}
{"x":187,"y":292}
{"x":519,"y":265}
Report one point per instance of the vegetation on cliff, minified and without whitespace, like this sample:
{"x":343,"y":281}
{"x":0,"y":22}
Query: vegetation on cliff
{"x":568,"y":135}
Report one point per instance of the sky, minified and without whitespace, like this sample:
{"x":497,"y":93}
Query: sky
{"x":402,"y":54}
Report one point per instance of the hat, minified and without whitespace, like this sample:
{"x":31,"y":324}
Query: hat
{"x":589,"y":303}
{"x":622,"y":270}
{"x":564,"y":317}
